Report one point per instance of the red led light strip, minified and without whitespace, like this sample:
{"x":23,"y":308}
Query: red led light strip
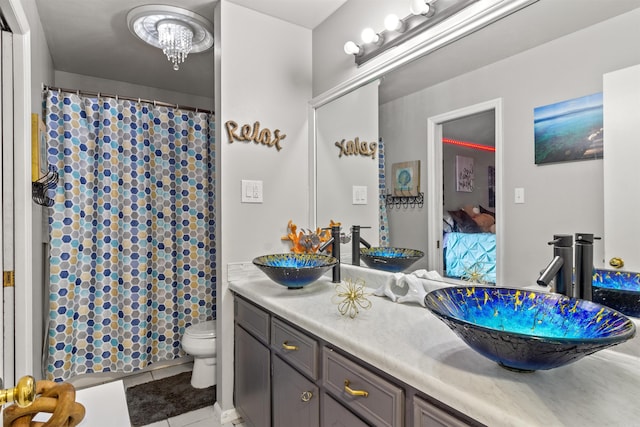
{"x":468,"y":144}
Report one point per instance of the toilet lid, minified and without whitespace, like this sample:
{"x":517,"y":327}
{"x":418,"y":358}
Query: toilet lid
{"x":202,"y":330}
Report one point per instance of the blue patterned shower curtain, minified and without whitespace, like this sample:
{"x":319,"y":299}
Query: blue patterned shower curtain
{"x":132,"y":248}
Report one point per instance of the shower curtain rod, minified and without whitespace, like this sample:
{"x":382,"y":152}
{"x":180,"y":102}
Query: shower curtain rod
{"x":128,"y":98}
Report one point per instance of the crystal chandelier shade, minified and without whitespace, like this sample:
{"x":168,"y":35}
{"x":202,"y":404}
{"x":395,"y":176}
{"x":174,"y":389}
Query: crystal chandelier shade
{"x":176,"y":40}
{"x":178,"y":32}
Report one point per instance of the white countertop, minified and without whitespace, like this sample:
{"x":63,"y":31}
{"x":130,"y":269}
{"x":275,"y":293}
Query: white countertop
{"x":413,"y":345}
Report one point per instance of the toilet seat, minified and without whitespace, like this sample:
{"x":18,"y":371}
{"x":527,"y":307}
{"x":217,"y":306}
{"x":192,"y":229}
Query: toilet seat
{"x":202,"y":330}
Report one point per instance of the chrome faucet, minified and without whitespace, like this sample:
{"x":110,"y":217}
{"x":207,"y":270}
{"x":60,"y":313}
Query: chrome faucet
{"x":334,"y":241}
{"x":561,"y":266}
{"x":355,"y":244}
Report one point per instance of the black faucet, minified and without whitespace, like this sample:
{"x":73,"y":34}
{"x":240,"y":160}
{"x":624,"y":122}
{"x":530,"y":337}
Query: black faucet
{"x":355,"y":244}
{"x":584,"y":266}
{"x":561,"y":265}
{"x":334,"y":241}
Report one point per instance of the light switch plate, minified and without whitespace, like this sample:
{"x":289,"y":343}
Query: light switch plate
{"x":359,"y":195}
{"x":518,"y":195}
{"x":251,"y":191}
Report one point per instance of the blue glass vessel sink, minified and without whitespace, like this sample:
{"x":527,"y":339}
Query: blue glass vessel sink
{"x":526,"y":331}
{"x":394,"y":260}
{"x":294,"y":270}
{"x":619,"y":290}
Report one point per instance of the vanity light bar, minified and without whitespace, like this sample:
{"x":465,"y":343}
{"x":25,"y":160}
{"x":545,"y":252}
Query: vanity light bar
{"x":404,"y":29}
{"x":468,"y":144}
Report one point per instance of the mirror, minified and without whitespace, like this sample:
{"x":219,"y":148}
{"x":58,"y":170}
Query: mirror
{"x":556,"y":198}
{"x":347,"y":164}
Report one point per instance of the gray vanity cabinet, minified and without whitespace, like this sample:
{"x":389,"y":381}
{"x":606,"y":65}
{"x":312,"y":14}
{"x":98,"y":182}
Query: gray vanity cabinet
{"x":286,"y":377}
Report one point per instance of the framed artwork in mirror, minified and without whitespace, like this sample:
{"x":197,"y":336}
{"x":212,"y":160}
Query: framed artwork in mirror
{"x":464,"y":174}
{"x":406,"y":178}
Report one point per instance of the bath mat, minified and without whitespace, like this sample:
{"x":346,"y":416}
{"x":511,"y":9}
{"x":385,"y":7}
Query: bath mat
{"x":166,"y":398}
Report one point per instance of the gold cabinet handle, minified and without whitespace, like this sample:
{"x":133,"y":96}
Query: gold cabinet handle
{"x":289,"y":347}
{"x":306,"y":396}
{"x":353,"y":392}
{"x":23,"y":394}
{"x":616,"y":262}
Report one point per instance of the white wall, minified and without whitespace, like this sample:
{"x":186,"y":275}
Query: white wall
{"x":559,"y":198}
{"x":74,"y":81}
{"x":264,"y":69}
{"x":41,"y":72}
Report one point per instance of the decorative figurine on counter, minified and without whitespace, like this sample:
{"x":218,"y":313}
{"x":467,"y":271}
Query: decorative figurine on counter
{"x":403,"y":288}
{"x":307,"y":242}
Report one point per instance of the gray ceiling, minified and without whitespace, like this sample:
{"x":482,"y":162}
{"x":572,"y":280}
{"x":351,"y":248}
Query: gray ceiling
{"x":91,"y":37}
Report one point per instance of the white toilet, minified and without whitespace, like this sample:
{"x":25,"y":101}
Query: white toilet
{"x":199,"y":340}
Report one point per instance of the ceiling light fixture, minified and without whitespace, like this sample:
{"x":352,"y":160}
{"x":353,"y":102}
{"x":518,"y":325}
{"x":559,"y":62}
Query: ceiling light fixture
{"x":176,"y":31}
{"x":423,"y":15}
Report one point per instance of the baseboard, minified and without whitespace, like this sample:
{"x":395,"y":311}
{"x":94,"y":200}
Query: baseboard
{"x":226,"y":416}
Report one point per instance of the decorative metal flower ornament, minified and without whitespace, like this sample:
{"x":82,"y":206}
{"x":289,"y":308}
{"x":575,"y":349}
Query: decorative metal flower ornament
{"x":351,"y":297}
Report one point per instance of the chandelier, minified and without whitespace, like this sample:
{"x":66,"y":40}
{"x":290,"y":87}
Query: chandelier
{"x":176,"y":31}
{"x":176,"y":40}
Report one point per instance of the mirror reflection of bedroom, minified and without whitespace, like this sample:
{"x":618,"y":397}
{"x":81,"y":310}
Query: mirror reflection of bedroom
{"x":469,"y":198}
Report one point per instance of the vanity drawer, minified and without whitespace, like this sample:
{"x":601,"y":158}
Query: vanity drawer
{"x":295,"y":347}
{"x":426,"y":414}
{"x":253,"y":319}
{"x":384,"y":403}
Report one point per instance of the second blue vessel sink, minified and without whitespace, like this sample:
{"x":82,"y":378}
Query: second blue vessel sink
{"x":619,"y":290}
{"x":526,"y":331}
{"x":394,"y":260}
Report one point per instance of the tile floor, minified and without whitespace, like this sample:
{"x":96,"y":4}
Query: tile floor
{"x":203,"y":417}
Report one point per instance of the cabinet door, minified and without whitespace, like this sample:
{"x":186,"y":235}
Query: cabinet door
{"x":295,"y":398}
{"x":336,"y":415}
{"x":252,"y":379}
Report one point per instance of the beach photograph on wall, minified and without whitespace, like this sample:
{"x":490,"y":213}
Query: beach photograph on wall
{"x":569,"y":130}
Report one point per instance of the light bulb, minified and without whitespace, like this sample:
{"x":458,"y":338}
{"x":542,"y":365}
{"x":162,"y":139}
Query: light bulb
{"x":393,"y":23}
{"x":350,"y":48}
{"x":422,"y":7}
{"x":369,"y":36}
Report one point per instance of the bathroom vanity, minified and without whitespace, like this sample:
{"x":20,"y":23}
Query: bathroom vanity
{"x":299,"y":362}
